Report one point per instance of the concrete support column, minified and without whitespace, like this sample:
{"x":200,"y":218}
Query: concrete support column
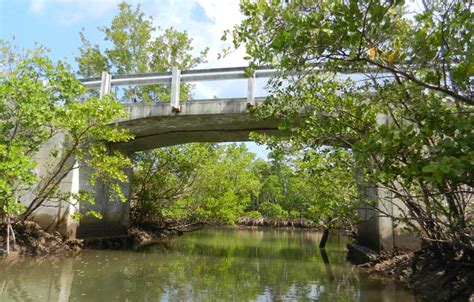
{"x":115,"y":213}
{"x":376,"y":229}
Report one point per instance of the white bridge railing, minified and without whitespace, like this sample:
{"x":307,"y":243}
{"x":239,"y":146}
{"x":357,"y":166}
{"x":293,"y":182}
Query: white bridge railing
{"x":176,"y":76}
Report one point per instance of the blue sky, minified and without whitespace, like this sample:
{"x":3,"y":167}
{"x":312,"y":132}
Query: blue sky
{"x":56,"y":24}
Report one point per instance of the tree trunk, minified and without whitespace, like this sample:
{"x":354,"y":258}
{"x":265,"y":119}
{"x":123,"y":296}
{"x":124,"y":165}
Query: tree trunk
{"x":324,"y":238}
{"x":327,"y":227}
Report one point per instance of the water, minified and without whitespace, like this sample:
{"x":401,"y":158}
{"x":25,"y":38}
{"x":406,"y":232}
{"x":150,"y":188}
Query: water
{"x":208,"y":265}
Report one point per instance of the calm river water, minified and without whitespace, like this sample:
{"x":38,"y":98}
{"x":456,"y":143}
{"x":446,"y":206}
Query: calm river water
{"x":207,"y":265}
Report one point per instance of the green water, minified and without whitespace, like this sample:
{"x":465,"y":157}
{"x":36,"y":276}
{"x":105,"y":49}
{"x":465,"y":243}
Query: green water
{"x":207,"y":265}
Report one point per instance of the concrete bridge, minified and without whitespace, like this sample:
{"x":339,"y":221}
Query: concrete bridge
{"x":222,"y":120}
{"x":166,"y":124}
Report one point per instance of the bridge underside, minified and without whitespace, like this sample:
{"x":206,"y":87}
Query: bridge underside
{"x":155,"y":125}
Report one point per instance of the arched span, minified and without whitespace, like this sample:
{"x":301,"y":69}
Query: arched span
{"x":219,"y":120}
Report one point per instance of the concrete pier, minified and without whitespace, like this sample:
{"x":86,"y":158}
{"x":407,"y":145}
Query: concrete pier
{"x":376,"y":230}
{"x":114,"y":212}
{"x":54,"y":215}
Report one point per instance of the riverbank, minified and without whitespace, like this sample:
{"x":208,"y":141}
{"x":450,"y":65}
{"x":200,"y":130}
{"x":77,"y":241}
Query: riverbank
{"x":32,"y":240}
{"x":422,"y":272}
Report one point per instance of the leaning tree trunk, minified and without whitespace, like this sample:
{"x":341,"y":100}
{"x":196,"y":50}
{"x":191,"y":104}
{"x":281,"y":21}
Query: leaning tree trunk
{"x":324,"y":238}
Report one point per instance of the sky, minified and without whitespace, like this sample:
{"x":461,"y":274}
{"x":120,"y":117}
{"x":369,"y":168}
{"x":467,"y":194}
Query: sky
{"x":56,"y":24}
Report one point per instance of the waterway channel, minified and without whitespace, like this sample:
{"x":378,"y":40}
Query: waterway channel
{"x":206,"y":265}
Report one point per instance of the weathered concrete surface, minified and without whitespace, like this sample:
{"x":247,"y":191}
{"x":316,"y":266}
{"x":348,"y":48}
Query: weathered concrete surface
{"x":377,"y":230}
{"x":403,"y":238}
{"x":115,"y":213}
{"x":223,"y":120}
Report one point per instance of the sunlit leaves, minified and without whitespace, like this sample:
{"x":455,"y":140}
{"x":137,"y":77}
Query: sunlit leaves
{"x":41,"y":102}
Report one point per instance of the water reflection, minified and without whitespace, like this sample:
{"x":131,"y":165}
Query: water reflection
{"x":209,"y":265}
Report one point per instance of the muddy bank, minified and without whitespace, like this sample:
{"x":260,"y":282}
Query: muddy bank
{"x":428,"y":276}
{"x":32,"y":240}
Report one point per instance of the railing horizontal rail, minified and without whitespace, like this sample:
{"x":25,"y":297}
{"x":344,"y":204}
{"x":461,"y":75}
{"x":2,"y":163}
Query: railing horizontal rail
{"x":176,"y":76}
{"x":196,"y":75}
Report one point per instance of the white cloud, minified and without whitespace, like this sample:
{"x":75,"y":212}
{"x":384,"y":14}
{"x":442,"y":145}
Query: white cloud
{"x":223,"y":14}
{"x":73,"y":11}
{"x":37,"y":6}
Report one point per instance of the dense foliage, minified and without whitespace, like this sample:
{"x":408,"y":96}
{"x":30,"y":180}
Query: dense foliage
{"x":374,"y":93}
{"x":43,"y":103}
{"x":218,"y":184}
{"x":405,"y":111}
{"x":196,"y":182}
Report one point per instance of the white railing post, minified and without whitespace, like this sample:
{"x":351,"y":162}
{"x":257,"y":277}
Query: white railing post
{"x":105,"y":84}
{"x":251,"y":91}
{"x":175,"y":88}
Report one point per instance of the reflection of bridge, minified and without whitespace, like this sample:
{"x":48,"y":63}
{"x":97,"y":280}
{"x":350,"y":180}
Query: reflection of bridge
{"x":166,"y":124}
